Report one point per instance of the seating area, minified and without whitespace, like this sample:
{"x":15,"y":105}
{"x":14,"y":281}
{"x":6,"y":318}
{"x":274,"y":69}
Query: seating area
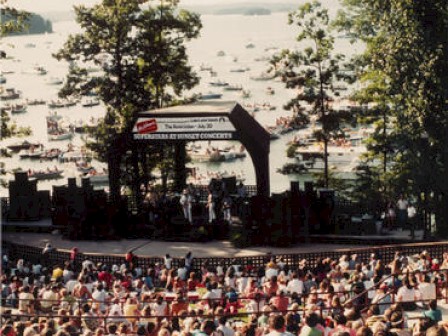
{"x":396,"y":289}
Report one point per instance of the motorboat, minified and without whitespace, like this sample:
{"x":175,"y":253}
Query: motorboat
{"x":97,"y":177}
{"x":60,"y":103}
{"x":270,"y":91}
{"x":264,"y":76}
{"x":15,"y":108}
{"x":233,"y":87}
{"x":250,"y":46}
{"x":50,"y":154}
{"x":31,"y":153}
{"x":33,"y":102}
{"x":54,"y":81}
{"x":10,"y":94}
{"x":205,"y":67}
{"x":24,"y":145}
{"x":48,"y":174}
{"x":221,"y":53}
{"x":2,"y":79}
{"x":209,"y":96}
{"x":60,"y":135}
{"x":239,"y":69}
{"x":219,"y":83}
{"x":90,"y":103}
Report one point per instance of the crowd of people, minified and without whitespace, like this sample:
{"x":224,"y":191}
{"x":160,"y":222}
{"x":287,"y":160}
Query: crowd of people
{"x":330,"y":297}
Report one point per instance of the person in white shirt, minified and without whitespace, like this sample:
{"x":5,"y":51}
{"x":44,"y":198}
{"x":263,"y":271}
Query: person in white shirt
{"x":226,"y":331}
{"x":168,"y":261}
{"x":99,"y":296}
{"x":402,"y":215}
{"x":186,"y":201}
{"x":159,"y":307}
{"x":295,"y":285}
{"x":407,"y":296}
{"x":426,"y":289}
{"x":211,"y":207}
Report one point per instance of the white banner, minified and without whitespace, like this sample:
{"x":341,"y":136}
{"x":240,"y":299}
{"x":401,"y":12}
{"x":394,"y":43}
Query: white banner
{"x":183,"y":125}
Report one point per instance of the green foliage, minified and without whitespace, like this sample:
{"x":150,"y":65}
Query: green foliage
{"x":313,"y":71}
{"x":406,"y":73}
{"x":31,"y":24}
{"x":12,"y":20}
{"x":240,"y":237}
{"x":140,"y":48}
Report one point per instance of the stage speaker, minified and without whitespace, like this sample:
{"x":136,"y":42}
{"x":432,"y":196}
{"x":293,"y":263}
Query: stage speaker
{"x":295,"y":187}
{"x":230,"y":184}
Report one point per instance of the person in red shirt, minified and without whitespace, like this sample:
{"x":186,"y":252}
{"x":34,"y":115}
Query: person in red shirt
{"x":280,"y":301}
{"x":105,"y":276}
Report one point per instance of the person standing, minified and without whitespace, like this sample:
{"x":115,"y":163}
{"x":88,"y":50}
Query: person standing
{"x":412,"y":214}
{"x":186,"y":202}
{"x":211,"y":207}
{"x":227,"y":208}
{"x":402,"y":216}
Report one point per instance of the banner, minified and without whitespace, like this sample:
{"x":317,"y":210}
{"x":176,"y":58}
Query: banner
{"x":184,"y":128}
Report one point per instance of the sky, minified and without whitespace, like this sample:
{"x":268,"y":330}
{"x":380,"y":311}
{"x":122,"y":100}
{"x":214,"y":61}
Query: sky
{"x":40,"y":6}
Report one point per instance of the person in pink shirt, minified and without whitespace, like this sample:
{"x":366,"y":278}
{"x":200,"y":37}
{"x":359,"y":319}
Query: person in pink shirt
{"x":280,"y":301}
{"x":340,"y":326}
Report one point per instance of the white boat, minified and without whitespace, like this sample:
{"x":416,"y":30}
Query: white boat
{"x":31,"y":153}
{"x":233,"y":87}
{"x":90,"y":103}
{"x":264,"y":76}
{"x":54,"y":81}
{"x":205,"y":67}
{"x":206,"y":155}
{"x":239,"y":69}
{"x":221,"y":53}
{"x":15,"y":108}
{"x":97,"y":177}
{"x":39,"y":70}
{"x":61,"y":135}
{"x":245,"y":93}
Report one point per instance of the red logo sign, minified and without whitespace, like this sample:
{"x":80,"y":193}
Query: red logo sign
{"x":146,"y":126}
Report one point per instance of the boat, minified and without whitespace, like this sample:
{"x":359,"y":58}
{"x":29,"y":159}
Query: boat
{"x":233,"y":87}
{"x":270,"y":90}
{"x":219,"y":83}
{"x":84,"y":166}
{"x":60,"y":103}
{"x":239,"y":69}
{"x":2,"y":79}
{"x":250,"y":46}
{"x":35,"y":102}
{"x":221,"y":53}
{"x":10,"y":94}
{"x":210,"y":95}
{"x":207,"y":155}
{"x":245,"y":93}
{"x":264,"y":76}
{"x":205,"y":67}
{"x":39,"y":70}
{"x":97,"y":177}
{"x":15,"y":108}
{"x":54,"y":81}
{"x":16,"y":147}
{"x":51,"y":154}
{"x":90,"y":103}
{"x":46,"y":174}
{"x":31,"y":153}
{"x":30,"y":45}
{"x":60,"y":135}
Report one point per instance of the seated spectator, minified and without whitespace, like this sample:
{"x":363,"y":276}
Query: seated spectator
{"x":433,"y":312}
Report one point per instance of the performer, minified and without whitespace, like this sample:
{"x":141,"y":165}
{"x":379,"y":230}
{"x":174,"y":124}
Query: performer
{"x":186,"y":201}
{"x":211,"y":207}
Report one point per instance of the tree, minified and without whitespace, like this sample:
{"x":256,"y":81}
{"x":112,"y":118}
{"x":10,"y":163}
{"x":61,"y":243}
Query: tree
{"x":408,"y":46}
{"x":13,"y":20}
{"x":141,"y":49}
{"x":313,"y":71}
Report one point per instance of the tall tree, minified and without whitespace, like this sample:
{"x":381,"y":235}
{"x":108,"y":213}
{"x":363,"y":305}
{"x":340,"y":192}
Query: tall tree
{"x":141,"y":49}
{"x":408,"y":46}
{"x":313,"y":71}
